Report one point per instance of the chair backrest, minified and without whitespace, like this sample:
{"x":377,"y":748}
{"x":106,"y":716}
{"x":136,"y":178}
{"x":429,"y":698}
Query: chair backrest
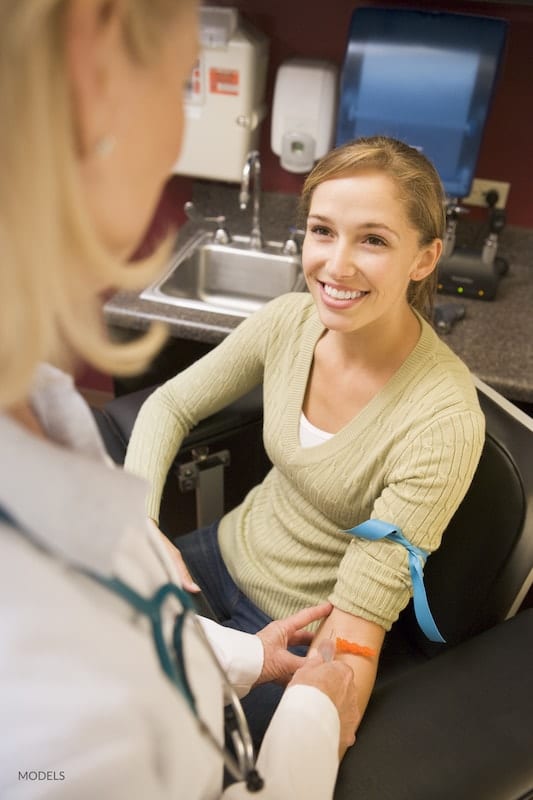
{"x":484,"y":567}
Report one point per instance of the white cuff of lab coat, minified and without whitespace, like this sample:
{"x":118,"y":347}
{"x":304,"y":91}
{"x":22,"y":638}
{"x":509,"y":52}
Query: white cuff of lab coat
{"x":240,"y":654}
{"x":299,"y":755}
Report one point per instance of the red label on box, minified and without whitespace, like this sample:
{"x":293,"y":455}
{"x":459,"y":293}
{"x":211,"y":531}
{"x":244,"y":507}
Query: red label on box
{"x":224,"y":81}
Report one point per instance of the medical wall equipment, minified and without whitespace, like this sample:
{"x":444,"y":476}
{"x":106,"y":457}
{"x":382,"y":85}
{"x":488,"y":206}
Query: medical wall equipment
{"x":225,"y":97}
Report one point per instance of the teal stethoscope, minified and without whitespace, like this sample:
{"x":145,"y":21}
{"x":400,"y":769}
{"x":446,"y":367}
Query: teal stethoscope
{"x":241,"y":765}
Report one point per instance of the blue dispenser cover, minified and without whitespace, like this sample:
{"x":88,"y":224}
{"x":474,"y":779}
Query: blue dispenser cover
{"x":426,"y":78}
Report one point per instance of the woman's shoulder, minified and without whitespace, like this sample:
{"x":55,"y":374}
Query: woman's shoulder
{"x":437,"y":352}
{"x":443,"y":379}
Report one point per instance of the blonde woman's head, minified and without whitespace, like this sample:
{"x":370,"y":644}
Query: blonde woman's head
{"x":419,"y":189}
{"x":91,"y":103}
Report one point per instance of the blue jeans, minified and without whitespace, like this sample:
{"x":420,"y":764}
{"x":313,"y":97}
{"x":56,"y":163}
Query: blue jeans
{"x":232,"y":609}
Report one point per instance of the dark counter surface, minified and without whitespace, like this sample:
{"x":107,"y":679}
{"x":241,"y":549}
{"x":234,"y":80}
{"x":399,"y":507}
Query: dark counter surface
{"x":495,"y":338}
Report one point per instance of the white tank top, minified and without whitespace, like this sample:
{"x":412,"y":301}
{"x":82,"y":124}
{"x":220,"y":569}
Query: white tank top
{"x":310,"y":435}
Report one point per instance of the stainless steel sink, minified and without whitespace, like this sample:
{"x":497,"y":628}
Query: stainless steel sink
{"x":226,"y":278}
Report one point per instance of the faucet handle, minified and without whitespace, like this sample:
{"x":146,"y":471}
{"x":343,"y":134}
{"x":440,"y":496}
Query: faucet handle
{"x":221,"y":234}
{"x":292,"y":246}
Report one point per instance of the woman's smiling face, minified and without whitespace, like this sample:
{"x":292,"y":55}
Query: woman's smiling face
{"x":360,"y":251}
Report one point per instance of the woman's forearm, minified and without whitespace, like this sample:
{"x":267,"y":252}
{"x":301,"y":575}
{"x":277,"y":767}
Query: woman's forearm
{"x":342,"y":625}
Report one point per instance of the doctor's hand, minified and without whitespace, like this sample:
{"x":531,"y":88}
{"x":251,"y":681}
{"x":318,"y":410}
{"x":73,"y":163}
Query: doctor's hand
{"x":279,"y":664}
{"x":336,"y":680}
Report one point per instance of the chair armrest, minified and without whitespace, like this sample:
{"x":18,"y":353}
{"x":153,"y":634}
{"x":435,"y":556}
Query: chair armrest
{"x":236,"y":428}
{"x":458,"y":726}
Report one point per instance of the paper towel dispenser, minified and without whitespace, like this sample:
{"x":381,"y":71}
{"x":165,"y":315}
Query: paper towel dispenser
{"x":224,"y":102}
{"x":426,"y":78}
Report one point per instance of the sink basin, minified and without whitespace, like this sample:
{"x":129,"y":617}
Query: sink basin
{"x":226,"y":278}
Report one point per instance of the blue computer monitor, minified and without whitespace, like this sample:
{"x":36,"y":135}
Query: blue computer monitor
{"x":426,"y":78}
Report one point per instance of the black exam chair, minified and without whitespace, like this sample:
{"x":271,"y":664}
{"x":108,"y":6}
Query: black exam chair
{"x":454,"y":721}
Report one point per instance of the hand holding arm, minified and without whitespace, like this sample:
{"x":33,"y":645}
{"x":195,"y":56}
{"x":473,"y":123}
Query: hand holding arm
{"x":336,"y":680}
{"x":341,"y":624}
{"x":310,"y":730}
{"x":278,"y":663}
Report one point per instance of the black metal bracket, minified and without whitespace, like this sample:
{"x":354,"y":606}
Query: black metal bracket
{"x":205,"y":475}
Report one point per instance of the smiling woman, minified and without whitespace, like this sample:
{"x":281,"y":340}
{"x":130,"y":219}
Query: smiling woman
{"x":367,"y":415}
{"x":359,"y":261}
{"x":375,"y":221}
{"x":414,"y":194}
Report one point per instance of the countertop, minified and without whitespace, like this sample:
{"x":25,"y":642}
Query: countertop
{"x":495,"y":338}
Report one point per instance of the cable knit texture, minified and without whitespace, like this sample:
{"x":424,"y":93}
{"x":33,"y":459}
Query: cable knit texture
{"x":407,"y":458}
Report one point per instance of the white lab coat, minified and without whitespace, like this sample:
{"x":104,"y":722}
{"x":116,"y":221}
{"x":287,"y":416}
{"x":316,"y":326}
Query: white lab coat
{"x":85,"y":709}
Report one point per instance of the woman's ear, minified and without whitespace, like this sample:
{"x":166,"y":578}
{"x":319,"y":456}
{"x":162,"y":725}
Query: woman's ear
{"x":93,"y":38}
{"x":427,"y":260}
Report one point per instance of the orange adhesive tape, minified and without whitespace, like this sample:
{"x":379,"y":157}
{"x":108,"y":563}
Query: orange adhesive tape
{"x":344,"y":646}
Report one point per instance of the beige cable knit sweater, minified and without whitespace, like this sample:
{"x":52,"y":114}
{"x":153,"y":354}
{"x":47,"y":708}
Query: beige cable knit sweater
{"x":407,"y":458}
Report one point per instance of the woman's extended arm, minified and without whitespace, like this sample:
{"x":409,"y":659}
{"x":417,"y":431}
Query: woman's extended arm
{"x":224,"y":374}
{"x":341,"y":624}
{"x":425,"y":487}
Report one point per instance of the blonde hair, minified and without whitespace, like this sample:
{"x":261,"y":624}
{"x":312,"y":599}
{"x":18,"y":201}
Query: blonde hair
{"x":49,"y":250}
{"x":419,"y":187}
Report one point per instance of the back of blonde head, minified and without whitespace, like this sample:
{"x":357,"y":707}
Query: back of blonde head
{"x":49,"y":253}
{"x":419,"y":188}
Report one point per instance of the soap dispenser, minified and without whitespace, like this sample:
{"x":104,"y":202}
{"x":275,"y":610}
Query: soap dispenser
{"x":303,"y":112}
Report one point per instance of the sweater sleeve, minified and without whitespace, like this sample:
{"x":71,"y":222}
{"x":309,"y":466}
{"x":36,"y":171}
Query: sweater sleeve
{"x":424,"y":487}
{"x":227,"y":372}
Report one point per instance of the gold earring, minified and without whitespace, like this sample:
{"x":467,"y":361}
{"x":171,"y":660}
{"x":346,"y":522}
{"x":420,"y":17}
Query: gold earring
{"x":105,"y":146}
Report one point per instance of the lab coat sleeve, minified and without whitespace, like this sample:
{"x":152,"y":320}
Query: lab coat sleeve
{"x":240,"y":654}
{"x":299,"y":755}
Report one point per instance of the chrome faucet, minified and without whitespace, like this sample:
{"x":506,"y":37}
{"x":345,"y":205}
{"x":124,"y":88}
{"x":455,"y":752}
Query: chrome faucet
{"x":252,"y":164}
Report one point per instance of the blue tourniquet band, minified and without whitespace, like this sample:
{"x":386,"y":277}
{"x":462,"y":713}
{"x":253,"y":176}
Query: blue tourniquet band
{"x":374,"y":529}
